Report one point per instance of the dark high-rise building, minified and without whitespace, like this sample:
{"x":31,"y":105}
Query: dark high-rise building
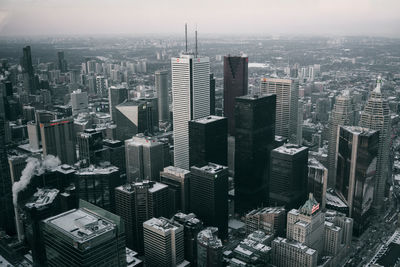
{"x":357,"y":154}
{"x":288,"y":179}
{"x":191,"y":227}
{"x":116,"y":152}
{"x":161,"y":83}
{"x":117,"y":95}
{"x":90,"y":147}
{"x":6,"y":205}
{"x":209,"y":195}
{"x":138,"y":202}
{"x":62,"y":63}
{"x":235,"y":84}
{"x":28,"y":72}
{"x":178,"y":181}
{"x":97,"y":185}
{"x":43,"y":204}
{"x":58,"y":139}
{"x":317,"y":181}
{"x":255,"y":136}
{"x":209,"y":248}
{"x":208,"y":140}
{"x":212,"y":94}
{"x":88,"y":236}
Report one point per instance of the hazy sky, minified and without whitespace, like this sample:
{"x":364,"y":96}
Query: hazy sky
{"x":329,"y":17}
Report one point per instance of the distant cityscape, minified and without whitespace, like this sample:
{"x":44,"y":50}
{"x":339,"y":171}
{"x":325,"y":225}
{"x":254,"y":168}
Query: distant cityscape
{"x":200,"y":151}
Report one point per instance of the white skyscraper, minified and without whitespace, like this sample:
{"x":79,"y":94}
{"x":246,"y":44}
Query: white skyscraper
{"x":376,"y":116}
{"x":79,"y":101}
{"x":191,"y":100}
{"x":287,"y":94}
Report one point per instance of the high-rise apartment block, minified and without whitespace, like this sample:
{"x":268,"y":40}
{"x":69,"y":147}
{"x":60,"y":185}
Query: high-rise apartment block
{"x":356,"y":166}
{"x":209,"y":195}
{"x":208,"y":140}
{"x":254,"y":139}
{"x":235,"y":85}
{"x":288,"y":181}
{"x":58,"y":139}
{"x":138,"y":202}
{"x":376,"y":116}
{"x":191,"y":100}
{"x":287,"y":94}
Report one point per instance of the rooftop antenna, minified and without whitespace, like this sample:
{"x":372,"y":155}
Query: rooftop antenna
{"x":186,"y":37}
{"x":195,"y":36}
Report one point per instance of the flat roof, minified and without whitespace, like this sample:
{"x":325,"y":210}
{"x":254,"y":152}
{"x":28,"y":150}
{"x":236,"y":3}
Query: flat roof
{"x":42,"y":197}
{"x":290,"y":149}
{"x":209,"y":119}
{"x":162,"y":224}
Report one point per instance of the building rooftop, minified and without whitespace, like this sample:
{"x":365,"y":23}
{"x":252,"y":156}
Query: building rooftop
{"x":211,"y":168}
{"x":142,"y":140}
{"x":253,"y":96}
{"x":314,"y":163}
{"x":91,"y":170}
{"x":290,"y":149}
{"x":208,"y":237}
{"x":42,"y":197}
{"x":310,"y":207}
{"x":270,"y":210}
{"x":359,"y":130}
{"x":151,"y":185}
{"x":209,"y":119}
{"x":295,"y":244}
{"x":176,"y":171}
{"x":162,"y":224}
{"x":80,"y":224}
{"x":333,"y":200}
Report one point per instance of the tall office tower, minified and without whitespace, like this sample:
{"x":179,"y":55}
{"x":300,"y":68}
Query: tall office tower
{"x":101,"y":86}
{"x":306,"y":225}
{"x":161,"y":83}
{"x":6,"y":205}
{"x":288,"y":180}
{"x":97,"y":185}
{"x":376,"y":116}
{"x":191,"y":228}
{"x":144,"y":158}
{"x":85,"y":237}
{"x":255,"y":136}
{"x":341,"y":115}
{"x":91,"y":66}
{"x":132,"y":117}
{"x":42,"y":205}
{"x":164,"y":243}
{"x":117,"y":95}
{"x":138,"y":202}
{"x":317,"y":181}
{"x":79,"y":101}
{"x":209,"y":248}
{"x":91,"y":84}
{"x":116,"y":152}
{"x":345,"y":223}
{"x":209,"y":195}
{"x":292,"y":253}
{"x":357,"y":154}
{"x":28,"y":112}
{"x":90,"y":147}
{"x":208,"y":140}
{"x":287,"y":94}
{"x":269,"y":220}
{"x":212,"y":94}
{"x":28,"y":72}
{"x":235,"y":85}
{"x":58,"y":139}
{"x":191,"y":100}
{"x":62,"y":63}
{"x":178,"y":181}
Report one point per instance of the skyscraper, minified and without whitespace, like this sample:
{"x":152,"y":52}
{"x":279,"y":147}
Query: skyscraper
{"x":209,"y":248}
{"x":357,"y":153}
{"x":62,"y":63}
{"x":164,"y":243}
{"x":340,"y":115}
{"x":117,"y":95}
{"x":90,"y":146}
{"x":191,"y":100}
{"x":144,"y":158}
{"x":288,"y":180}
{"x":287,"y":94}
{"x":101,"y":86}
{"x":58,"y":139}
{"x":161,"y":83}
{"x":208,"y":140}
{"x":209,"y":195}
{"x":255,"y":136}
{"x":6,"y":205}
{"x":28,"y":72}
{"x":85,"y":237}
{"x":178,"y":181}
{"x":138,"y":202}
{"x":376,"y":116}
{"x":235,"y":84}
{"x":317,"y":181}
{"x":212,"y":94}
{"x":79,"y":102}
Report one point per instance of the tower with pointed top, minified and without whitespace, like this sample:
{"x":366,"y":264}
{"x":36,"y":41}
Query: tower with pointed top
{"x":340,"y":115}
{"x":376,"y":116}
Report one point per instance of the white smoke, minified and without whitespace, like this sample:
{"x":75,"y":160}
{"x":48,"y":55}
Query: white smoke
{"x":33,"y":167}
